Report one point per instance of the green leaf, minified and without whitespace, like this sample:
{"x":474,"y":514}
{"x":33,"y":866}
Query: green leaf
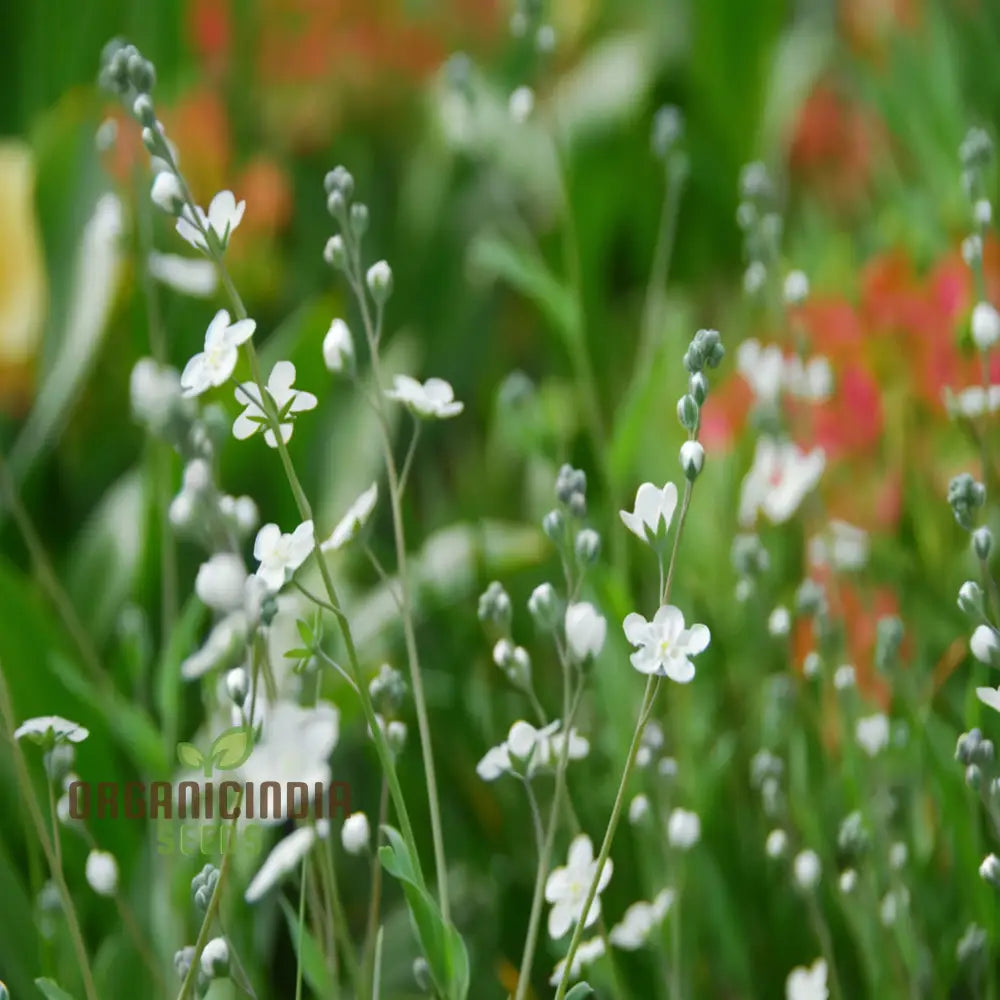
{"x":189,"y":755}
{"x":52,"y":990}
{"x":528,"y":274}
{"x":310,"y":956}
{"x":232,"y":748}
{"x":440,"y":942}
{"x":305,"y":632}
{"x":297,"y":654}
{"x":580,"y":991}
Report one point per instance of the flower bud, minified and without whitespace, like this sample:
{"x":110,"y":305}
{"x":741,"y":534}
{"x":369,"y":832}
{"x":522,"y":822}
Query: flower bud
{"x":985,"y":326}
{"x":806,"y":870}
{"x":167,"y":193}
{"x":379,"y":281}
{"x":985,"y":645}
{"x":336,"y":204}
{"x":355,"y":834}
{"x":668,"y":127}
{"x":102,"y":872}
{"x":143,"y":110}
{"x":215,"y":959}
{"x":970,"y":599}
{"x":182,"y":961}
{"x":982,"y":543}
{"x":587,"y":546}
{"x":554,"y":526}
{"x":638,"y":809}
{"x":495,"y":607}
{"x":335,"y":253}
{"x":692,"y":459}
{"x":974,"y":777}
{"x":776,"y":843}
{"x":338,"y":348}
{"x":989,"y":870}
{"x":387,"y":690}
{"x":339,"y":179}
{"x":687,"y":412}
{"x":972,"y":946}
{"x":967,"y":745}
{"x":237,"y":686}
{"x":796,"y":288}
{"x":544,"y":607}
{"x":698,"y":387}
{"x":395,"y":735}
{"x":359,"y":220}
{"x":202,"y":888}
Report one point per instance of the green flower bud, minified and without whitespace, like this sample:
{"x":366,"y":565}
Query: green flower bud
{"x":970,"y":600}
{"x":982,"y":542}
{"x":698,"y":387}
{"x":688,"y":412}
{"x":359,"y":220}
{"x":587,"y":546}
{"x":544,"y":607}
{"x":335,"y":253}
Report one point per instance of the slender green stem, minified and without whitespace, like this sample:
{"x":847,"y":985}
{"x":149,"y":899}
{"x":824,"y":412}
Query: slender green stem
{"x":545,"y":852}
{"x":648,"y":698}
{"x":374,"y":898}
{"x":373,"y":335}
{"x":676,"y":981}
{"x":28,"y":796}
{"x":210,"y":912}
{"x":301,"y":928}
{"x":328,"y":873}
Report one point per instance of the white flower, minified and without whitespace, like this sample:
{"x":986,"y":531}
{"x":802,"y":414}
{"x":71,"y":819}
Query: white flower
{"x":287,"y":402}
{"x":167,"y":193}
{"x":844,"y":677}
{"x":566,"y":888}
{"x":187,"y":275}
{"x":295,"y":746}
{"x":806,"y":868}
{"x":812,"y":380}
{"x":985,"y":326}
{"x":796,"y":288}
{"x":585,"y":631}
{"x":841,"y":545}
{"x":872,"y":733}
{"x":588,"y":953}
{"x":807,"y":984}
{"x":898,"y":854}
{"x":683,"y":829}
{"x":779,"y":622}
{"x":102,"y":872}
{"x":62,"y":730}
{"x":225,"y":643}
{"x":280,"y":555}
{"x":763,"y":368}
{"x":355,"y":834}
{"x":985,"y":645}
{"x":215,"y":365}
{"x":220,"y":582}
{"x":639,"y":920}
{"x":521,"y":104}
{"x":154,"y":391}
{"x":353,"y":521}
{"x":224,"y":215}
{"x":777,"y":483}
{"x":338,"y":347}
{"x":652,"y":505}
{"x":989,"y":697}
{"x":285,"y":857}
{"x":665,"y":645}
{"x":528,"y":750}
{"x":848,"y":881}
{"x":776,"y":843}
{"x":433,"y":400}
{"x":638,"y":809}
{"x":982,"y":212}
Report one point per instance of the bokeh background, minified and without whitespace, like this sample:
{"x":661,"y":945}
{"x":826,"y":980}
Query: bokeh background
{"x":857,"y":106}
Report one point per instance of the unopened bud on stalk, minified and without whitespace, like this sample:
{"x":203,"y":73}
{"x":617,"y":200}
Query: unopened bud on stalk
{"x":692,"y":459}
{"x":982,"y":543}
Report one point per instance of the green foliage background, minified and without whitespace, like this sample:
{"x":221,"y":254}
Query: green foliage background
{"x":472,"y":304}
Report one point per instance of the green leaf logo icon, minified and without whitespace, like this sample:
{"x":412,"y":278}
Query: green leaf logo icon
{"x":232,"y":748}
{"x":189,"y":755}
